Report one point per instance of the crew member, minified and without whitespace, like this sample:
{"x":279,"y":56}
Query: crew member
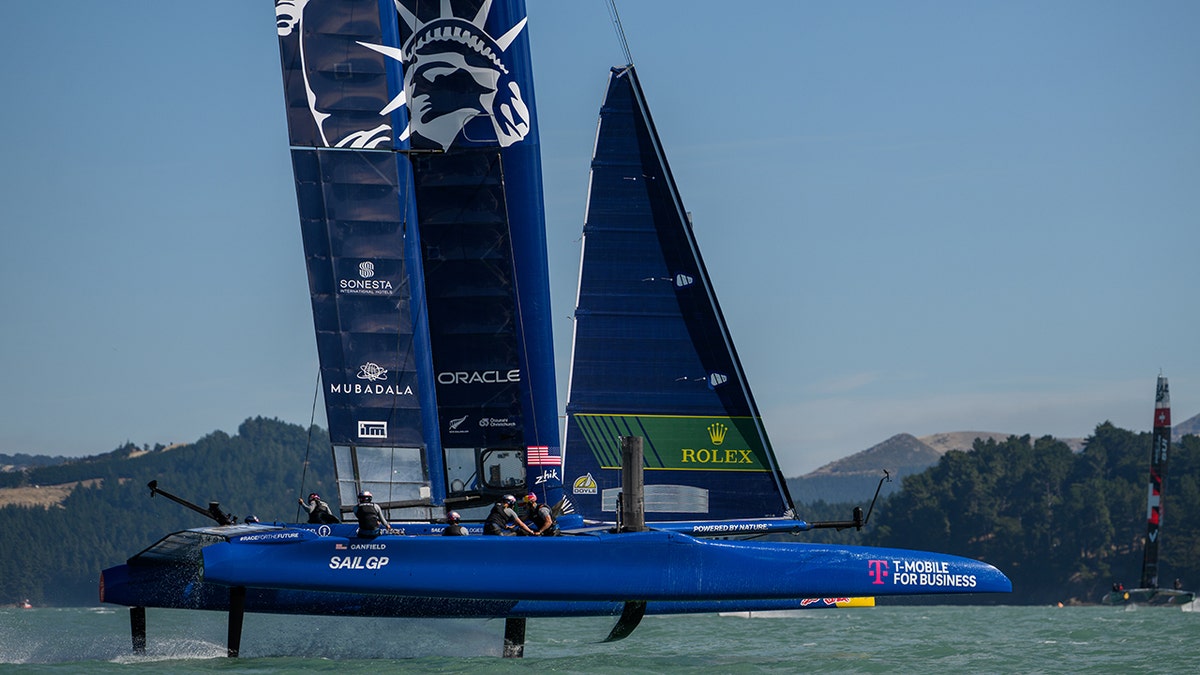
{"x":503,"y":519}
{"x":540,"y":516}
{"x":318,"y":511}
{"x":454,"y":528}
{"x":371,"y":522}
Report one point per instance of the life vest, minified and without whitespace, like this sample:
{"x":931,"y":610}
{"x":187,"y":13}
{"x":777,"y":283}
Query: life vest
{"x":542,"y":516}
{"x":498,"y":519}
{"x":317,"y":515}
{"x":368,"y":516}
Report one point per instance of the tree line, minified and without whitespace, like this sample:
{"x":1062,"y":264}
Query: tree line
{"x":1062,"y":525}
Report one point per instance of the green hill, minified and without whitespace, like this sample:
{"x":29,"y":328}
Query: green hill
{"x":64,"y":523}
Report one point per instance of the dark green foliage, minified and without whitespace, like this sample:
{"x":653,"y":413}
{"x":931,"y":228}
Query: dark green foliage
{"x":1063,"y":526}
{"x":54,"y":556}
{"x":24,"y":461}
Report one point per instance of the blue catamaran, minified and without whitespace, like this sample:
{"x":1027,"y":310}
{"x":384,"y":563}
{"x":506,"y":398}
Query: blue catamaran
{"x":415,"y":150}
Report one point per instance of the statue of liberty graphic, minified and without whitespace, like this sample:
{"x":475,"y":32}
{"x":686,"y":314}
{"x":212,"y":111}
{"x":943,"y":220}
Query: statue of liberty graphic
{"x":457,"y":86}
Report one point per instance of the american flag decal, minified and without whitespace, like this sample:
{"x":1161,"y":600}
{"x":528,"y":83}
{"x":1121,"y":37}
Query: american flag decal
{"x":539,"y":455}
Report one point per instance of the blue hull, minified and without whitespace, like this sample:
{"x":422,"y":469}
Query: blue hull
{"x":181,"y":588}
{"x":602,"y":567}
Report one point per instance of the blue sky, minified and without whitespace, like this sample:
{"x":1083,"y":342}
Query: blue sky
{"x":919,"y":217}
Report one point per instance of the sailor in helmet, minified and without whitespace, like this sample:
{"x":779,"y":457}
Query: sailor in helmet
{"x":455,"y":528}
{"x":371,"y":522}
{"x":318,"y":510}
{"x":539,"y":516}
{"x":503,"y":519}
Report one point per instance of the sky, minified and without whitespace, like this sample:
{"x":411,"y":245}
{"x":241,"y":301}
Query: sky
{"x":919,"y":217}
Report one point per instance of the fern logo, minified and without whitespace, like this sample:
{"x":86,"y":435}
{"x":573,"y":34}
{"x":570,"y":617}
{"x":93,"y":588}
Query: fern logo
{"x":716,"y":433}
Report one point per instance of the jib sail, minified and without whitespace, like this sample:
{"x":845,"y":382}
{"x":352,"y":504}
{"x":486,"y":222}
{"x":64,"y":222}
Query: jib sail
{"x":652,"y":354}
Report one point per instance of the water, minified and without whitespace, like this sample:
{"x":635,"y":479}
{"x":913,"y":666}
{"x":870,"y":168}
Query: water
{"x":870,"y":640}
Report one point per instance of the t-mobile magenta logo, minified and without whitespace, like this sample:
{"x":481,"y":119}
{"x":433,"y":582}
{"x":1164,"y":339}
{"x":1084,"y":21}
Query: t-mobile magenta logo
{"x":878,"y":570}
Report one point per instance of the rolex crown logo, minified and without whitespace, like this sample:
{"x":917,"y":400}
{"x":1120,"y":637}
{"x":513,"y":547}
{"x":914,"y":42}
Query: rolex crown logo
{"x":716,"y":433}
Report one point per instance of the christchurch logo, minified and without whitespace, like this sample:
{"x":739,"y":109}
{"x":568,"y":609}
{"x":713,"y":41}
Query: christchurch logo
{"x":454,"y":72}
{"x":366,"y":269}
{"x":716,"y":433}
{"x":372,"y":371}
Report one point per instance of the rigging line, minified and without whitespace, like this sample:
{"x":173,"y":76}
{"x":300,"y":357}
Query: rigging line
{"x":312,"y":421}
{"x":616,"y":19}
{"x":524,"y":335}
{"x":409,"y":348}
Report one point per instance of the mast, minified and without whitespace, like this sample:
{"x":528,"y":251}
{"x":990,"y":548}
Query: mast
{"x":1160,"y":448}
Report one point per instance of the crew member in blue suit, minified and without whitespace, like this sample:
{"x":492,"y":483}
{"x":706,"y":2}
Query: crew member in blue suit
{"x":503,"y":519}
{"x":371,"y":522}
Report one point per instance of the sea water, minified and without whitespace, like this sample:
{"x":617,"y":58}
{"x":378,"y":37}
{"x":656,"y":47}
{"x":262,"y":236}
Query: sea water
{"x":924,"y":639}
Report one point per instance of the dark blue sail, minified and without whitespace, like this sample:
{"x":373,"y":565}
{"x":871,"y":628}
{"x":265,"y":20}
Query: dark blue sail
{"x":425,"y":243}
{"x":653,"y":356}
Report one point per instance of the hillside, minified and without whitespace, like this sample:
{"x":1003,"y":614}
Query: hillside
{"x":854,"y":478}
{"x":45,"y":496}
{"x":66,"y":522}
{"x":1189,"y":426}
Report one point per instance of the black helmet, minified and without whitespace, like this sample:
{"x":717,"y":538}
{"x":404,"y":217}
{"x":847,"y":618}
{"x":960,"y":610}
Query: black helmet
{"x":453,"y":517}
{"x":364,"y":496}
{"x":312,"y":496}
{"x":251,"y":519}
{"x":510,"y":500}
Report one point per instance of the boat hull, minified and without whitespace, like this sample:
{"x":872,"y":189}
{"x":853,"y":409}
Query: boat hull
{"x":170,"y":574}
{"x":1153,"y":597}
{"x":644,"y":566}
{"x":164,"y":587}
